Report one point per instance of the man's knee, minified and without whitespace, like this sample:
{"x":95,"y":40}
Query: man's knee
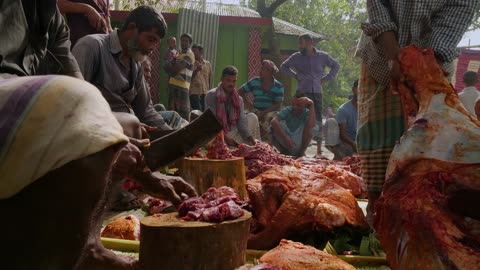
{"x":130,"y":124}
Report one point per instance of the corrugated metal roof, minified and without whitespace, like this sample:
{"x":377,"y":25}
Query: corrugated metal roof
{"x":220,"y":9}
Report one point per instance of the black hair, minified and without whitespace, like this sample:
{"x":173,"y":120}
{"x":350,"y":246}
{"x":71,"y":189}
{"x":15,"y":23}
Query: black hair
{"x":199,"y":47}
{"x":300,"y":95}
{"x":189,"y":36}
{"x":146,"y":19}
{"x":230,"y":70}
{"x":355,"y":84}
{"x":470,"y":78}
{"x":306,"y":37}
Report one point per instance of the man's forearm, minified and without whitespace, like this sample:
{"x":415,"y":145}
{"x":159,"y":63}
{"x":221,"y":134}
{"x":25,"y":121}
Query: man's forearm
{"x":71,"y":7}
{"x":389,"y":44}
{"x":347,"y":140}
{"x":278,"y":130}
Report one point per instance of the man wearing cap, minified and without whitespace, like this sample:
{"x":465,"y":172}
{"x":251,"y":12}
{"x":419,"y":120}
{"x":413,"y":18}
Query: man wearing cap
{"x":309,"y":64}
{"x":263,"y":96}
{"x":181,"y":76}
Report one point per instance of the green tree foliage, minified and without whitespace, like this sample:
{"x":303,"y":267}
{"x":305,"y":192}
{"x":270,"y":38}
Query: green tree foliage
{"x":339,"y":22}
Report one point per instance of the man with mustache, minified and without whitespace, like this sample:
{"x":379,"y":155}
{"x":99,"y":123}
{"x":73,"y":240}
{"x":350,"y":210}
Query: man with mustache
{"x":227,"y":105}
{"x":112,"y":62}
{"x":309,"y":64}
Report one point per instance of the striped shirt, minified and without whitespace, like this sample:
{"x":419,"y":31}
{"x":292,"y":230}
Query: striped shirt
{"x":264,"y":99}
{"x":439,"y":24}
{"x":184,"y":77}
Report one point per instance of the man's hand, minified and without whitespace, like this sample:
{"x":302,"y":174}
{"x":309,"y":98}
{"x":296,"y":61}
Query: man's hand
{"x":306,"y":102}
{"x":290,"y":144}
{"x":94,"y":18}
{"x":396,"y":75}
{"x":251,"y":141}
{"x":129,"y":159}
{"x":145,"y":129}
{"x":230,"y":142}
{"x":167,"y":187}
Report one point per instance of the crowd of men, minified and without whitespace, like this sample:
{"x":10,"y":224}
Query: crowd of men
{"x":66,"y":141}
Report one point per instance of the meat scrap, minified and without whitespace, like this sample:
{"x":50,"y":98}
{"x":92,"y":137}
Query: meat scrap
{"x":287,"y":199}
{"x":354,"y":163}
{"x":125,"y":227}
{"x":218,"y":149}
{"x":289,"y":255}
{"x":432,"y":181}
{"x":153,"y":205}
{"x":215,"y":205}
{"x":260,"y":158}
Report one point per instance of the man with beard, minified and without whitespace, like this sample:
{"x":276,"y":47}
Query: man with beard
{"x":264,"y":96}
{"x":180,"y":78}
{"x":112,"y":62}
{"x":227,"y":105}
{"x":309,"y":65}
{"x":292,"y":127}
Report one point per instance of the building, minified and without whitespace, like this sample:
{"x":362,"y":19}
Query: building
{"x":230,"y":34}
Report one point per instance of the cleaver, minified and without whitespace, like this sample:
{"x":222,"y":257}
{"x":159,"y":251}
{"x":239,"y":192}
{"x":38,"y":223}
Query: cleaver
{"x":182,"y":142}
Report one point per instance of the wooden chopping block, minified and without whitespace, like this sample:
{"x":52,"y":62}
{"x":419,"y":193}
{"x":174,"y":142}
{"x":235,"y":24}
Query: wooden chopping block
{"x":170,"y":243}
{"x":206,"y":173}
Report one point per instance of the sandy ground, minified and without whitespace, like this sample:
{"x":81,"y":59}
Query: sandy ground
{"x":312,"y":150}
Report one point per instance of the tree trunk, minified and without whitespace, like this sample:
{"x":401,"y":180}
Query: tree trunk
{"x":170,"y":243}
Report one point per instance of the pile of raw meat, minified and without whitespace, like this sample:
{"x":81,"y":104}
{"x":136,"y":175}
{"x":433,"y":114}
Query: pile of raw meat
{"x":218,"y":148}
{"x":354,"y":164}
{"x":260,"y":158}
{"x":433,"y":177}
{"x":288,"y":200}
{"x":338,"y":172}
{"x":289,"y":255}
{"x":215,"y":205}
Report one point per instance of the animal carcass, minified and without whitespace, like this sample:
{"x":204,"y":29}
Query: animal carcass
{"x":287,"y":200}
{"x":433,"y":177}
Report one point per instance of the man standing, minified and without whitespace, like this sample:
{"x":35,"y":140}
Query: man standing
{"x":470,"y":93}
{"x":112,"y":62}
{"x":264,"y":96}
{"x":344,"y":127}
{"x":346,"y":117}
{"x":181,"y":76}
{"x":201,"y":79}
{"x":439,"y":24}
{"x":227,"y":105}
{"x":86,"y":17}
{"x":309,"y":64}
{"x":292,"y":127}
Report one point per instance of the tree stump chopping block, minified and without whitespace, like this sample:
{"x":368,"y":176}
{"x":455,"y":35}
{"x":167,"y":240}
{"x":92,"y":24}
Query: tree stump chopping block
{"x":168,"y":243}
{"x":206,"y":173}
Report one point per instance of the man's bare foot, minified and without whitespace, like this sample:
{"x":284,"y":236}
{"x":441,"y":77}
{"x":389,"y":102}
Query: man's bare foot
{"x":97,"y":257}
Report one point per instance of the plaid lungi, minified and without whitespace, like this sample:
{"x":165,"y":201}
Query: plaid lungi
{"x":380,"y":126}
{"x":179,"y":100}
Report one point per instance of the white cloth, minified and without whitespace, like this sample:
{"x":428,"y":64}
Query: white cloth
{"x":253,"y":127}
{"x":46,"y":122}
{"x":468,"y":97}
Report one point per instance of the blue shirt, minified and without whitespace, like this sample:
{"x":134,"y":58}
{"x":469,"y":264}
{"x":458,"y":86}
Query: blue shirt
{"x":309,"y":70}
{"x":291,"y":119}
{"x":348,"y":114}
{"x":264,"y":99}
